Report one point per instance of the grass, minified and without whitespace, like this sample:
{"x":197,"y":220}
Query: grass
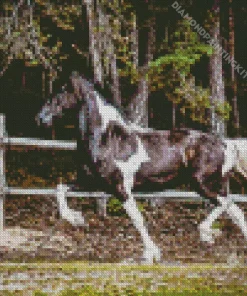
{"x":82,"y":278}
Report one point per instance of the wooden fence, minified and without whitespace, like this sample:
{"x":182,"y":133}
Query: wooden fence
{"x":71,"y":145}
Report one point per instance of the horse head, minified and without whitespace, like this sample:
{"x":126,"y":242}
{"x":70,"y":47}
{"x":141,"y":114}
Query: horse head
{"x":54,"y":108}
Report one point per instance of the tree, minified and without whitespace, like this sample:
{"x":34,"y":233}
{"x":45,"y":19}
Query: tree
{"x":172,"y":71}
{"x":216,"y":73}
{"x":26,"y":39}
{"x":138,"y":107}
{"x":120,"y":56}
{"x":101,"y":47}
{"x":233,"y":78}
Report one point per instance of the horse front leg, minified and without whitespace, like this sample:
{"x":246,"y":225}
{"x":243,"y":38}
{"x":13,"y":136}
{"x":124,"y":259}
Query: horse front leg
{"x":124,"y":193}
{"x":127,"y":170}
{"x":151,"y":250}
{"x":73,"y":217}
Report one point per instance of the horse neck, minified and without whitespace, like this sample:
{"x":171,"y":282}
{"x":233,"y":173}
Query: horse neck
{"x":100,"y":116}
{"x":85,"y":89}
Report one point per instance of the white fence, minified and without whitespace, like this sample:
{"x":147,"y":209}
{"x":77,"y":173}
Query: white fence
{"x":71,"y":145}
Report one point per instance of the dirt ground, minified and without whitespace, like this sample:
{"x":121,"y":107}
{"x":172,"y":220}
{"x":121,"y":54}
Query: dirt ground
{"x":34,"y":230}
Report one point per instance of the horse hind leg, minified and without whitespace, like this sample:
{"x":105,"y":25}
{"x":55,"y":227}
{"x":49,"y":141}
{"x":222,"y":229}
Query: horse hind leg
{"x":226,"y":205}
{"x":236,"y":214}
{"x":207,"y":233}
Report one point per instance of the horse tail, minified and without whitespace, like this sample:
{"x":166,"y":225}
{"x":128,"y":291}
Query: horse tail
{"x":241,"y":158}
{"x":231,"y":153}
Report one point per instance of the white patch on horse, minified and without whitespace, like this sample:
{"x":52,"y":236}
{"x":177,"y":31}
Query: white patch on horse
{"x":132,"y":165}
{"x":136,"y":128}
{"x":108,"y":113}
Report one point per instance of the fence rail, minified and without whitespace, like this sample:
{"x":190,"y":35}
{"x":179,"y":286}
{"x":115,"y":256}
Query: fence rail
{"x":71,"y":145}
{"x":47,"y":144}
{"x":167,"y":195}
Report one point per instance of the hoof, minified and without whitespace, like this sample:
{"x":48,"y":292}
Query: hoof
{"x":208,"y":235}
{"x":151,"y":254}
{"x":75,"y":218}
{"x":216,"y":232}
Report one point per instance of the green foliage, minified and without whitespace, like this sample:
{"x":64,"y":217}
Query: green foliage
{"x":217,"y":225}
{"x":63,"y":16}
{"x":197,"y":101}
{"x":185,"y":51}
{"x":44,"y":50}
{"x":115,"y":207}
{"x":122,"y":20}
{"x":171,"y":72}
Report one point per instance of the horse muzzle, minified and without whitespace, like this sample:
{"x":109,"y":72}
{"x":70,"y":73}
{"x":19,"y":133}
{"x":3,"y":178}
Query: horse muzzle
{"x":43,"y":120}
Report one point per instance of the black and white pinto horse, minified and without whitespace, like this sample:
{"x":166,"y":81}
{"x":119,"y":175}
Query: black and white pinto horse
{"x":125,"y":157}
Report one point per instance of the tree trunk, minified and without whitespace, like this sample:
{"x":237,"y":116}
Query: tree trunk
{"x":139,"y":104}
{"x":111,"y":59}
{"x":107,"y":53}
{"x":233,"y":86}
{"x":217,"y":81}
{"x":134,"y":42}
{"x":102,"y":48}
{"x":93,"y":42}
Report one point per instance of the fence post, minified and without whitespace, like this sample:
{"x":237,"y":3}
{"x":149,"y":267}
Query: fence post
{"x":155,"y":202}
{"x":102,"y":205}
{"x":2,"y":170}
